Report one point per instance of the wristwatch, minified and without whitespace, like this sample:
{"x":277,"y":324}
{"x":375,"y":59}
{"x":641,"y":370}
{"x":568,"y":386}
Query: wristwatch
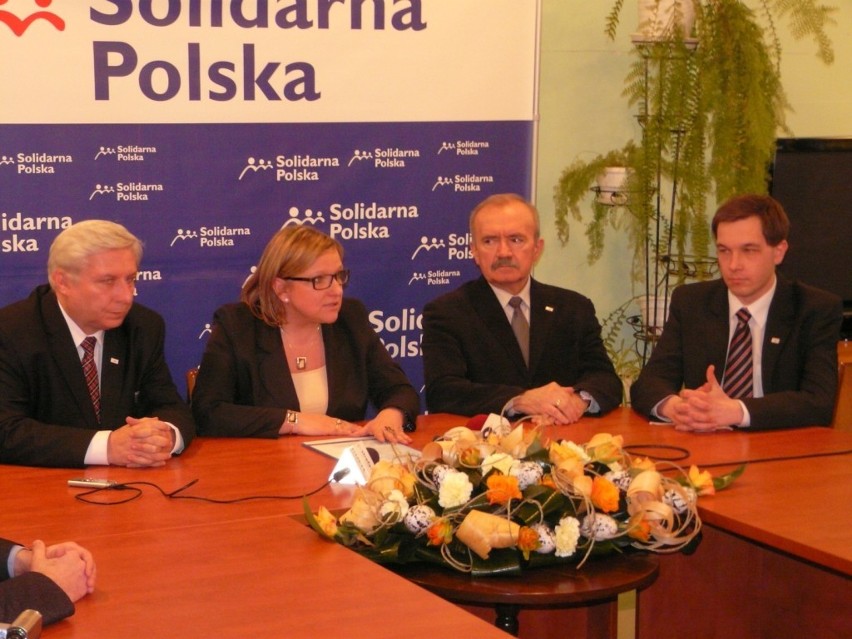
{"x":292,"y":418}
{"x":408,"y":425}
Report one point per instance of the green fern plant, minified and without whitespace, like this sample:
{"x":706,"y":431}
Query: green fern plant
{"x":709,"y":117}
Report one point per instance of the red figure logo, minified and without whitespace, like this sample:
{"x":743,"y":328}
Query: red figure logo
{"x":18,"y":26}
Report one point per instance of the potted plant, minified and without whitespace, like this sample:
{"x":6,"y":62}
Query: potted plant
{"x":710,"y":102}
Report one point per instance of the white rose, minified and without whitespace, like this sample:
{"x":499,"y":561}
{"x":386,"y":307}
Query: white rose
{"x":394,"y":508}
{"x":567,"y":534}
{"x":455,"y":489}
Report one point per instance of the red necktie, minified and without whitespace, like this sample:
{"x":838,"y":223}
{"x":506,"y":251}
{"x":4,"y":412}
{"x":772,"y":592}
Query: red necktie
{"x":738,"y":370}
{"x":91,"y":373}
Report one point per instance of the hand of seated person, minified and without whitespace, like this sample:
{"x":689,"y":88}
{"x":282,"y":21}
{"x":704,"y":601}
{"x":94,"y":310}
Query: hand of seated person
{"x":144,"y":442}
{"x":387,"y":426}
{"x":706,"y":408}
{"x":68,"y":565}
{"x":560,"y":403}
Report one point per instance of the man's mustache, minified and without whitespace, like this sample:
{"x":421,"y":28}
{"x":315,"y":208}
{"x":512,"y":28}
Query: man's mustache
{"x":502,"y":262}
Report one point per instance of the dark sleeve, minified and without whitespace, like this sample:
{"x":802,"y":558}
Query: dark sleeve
{"x":27,"y":437}
{"x":33,"y":591}
{"x":597,"y":374}
{"x":223,"y":399}
{"x":447,"y":336}
{"x":663,"y":373}
{"x":804,"y":393}
{"x":158,"y":395}
{"x":387,"y":383}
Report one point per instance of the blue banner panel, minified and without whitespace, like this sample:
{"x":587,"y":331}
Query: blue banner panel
{"x":206,"y":198}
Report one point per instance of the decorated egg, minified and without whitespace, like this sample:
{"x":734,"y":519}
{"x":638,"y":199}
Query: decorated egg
{"x":599,"y":527}
{"x":439,"y":471}
{"x":418,"y":518}
{"x":527,"y":473}
{"x":677,"y":500}
{"x":546,"y":541}
{"x":620,"y":478}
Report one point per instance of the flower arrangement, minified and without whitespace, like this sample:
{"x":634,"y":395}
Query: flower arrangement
{"x":500,"y":500}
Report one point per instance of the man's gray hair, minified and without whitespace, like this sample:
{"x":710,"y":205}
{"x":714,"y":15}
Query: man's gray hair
{"x":501,"y":199}
{"x":76,"y":244}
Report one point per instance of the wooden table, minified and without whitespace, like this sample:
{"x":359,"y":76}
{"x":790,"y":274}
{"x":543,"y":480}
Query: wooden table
{"x":595,"y":587}
{"x":196,"y":568}
{"x":775,"y":561}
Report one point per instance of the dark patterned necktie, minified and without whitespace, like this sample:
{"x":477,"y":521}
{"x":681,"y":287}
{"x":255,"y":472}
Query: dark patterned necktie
{"x":91,"y":373}
{"x":738,"y":370}
{"x":521,"y":328}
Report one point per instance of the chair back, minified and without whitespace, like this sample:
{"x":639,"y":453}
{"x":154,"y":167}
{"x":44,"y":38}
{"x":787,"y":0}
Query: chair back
{"x":191,"y":376}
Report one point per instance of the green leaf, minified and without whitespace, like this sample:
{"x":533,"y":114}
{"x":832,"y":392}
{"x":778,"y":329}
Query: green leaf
{"x":503,"y":561}
{"x":312,"y":520}
{"x":551,"y":501}
{"x":720,"y":483}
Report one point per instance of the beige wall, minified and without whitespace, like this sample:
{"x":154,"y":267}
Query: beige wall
{"x":582,"y":113}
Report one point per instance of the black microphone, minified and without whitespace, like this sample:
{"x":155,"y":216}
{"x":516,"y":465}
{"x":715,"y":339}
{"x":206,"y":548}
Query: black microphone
{"x":340,"y":474}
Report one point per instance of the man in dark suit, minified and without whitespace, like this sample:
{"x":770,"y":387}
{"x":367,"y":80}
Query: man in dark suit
{"x":65,"y":404}
{"x":789,"y":373}
{"x":48,"y":579}
{"x":506,"y":341}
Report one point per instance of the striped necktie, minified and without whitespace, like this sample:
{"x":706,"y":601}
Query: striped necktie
{"x":738,"y":369}
{"x":90,"y":370}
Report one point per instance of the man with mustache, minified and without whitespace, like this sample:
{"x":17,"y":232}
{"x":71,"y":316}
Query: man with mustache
{"x":507,"y":343}
{"x":83,"y":377}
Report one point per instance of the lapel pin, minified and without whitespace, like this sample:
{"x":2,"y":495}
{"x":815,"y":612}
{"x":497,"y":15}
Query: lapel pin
{"x":113,"y":360}
{"x":549,"y":309}
{"x":775,"y":340}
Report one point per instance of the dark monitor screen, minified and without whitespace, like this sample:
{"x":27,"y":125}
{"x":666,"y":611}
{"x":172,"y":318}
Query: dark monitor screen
{"x":812,"y":178}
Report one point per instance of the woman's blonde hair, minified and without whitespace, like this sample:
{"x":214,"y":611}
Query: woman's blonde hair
{"x":290,"y":251}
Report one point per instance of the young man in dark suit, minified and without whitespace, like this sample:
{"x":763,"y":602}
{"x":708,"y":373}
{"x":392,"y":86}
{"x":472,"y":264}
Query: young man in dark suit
{"x":83,"y":378}
{"x":781,"y":372}
{"x":552,"y":364}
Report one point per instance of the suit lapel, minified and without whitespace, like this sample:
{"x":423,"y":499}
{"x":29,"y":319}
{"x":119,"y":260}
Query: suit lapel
{"x":272,"y":365}
{"x":334,"y":366}
{"x":66,"y":357}
{"x":493,"y":315}
{"x":113,"y":373}
{"x":543,"y":312}
{"x":717,"y":334}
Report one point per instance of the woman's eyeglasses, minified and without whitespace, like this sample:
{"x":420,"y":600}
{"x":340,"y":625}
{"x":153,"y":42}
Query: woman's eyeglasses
{"x":322,"y":282}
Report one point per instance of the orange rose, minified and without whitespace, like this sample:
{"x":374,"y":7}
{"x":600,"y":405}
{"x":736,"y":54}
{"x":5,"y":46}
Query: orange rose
{"x":502,"y":488}
{"x":604,"y":494}
{"x":440,"y":532}
{"x":528,"y":541}
{"x":639,"y":528}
